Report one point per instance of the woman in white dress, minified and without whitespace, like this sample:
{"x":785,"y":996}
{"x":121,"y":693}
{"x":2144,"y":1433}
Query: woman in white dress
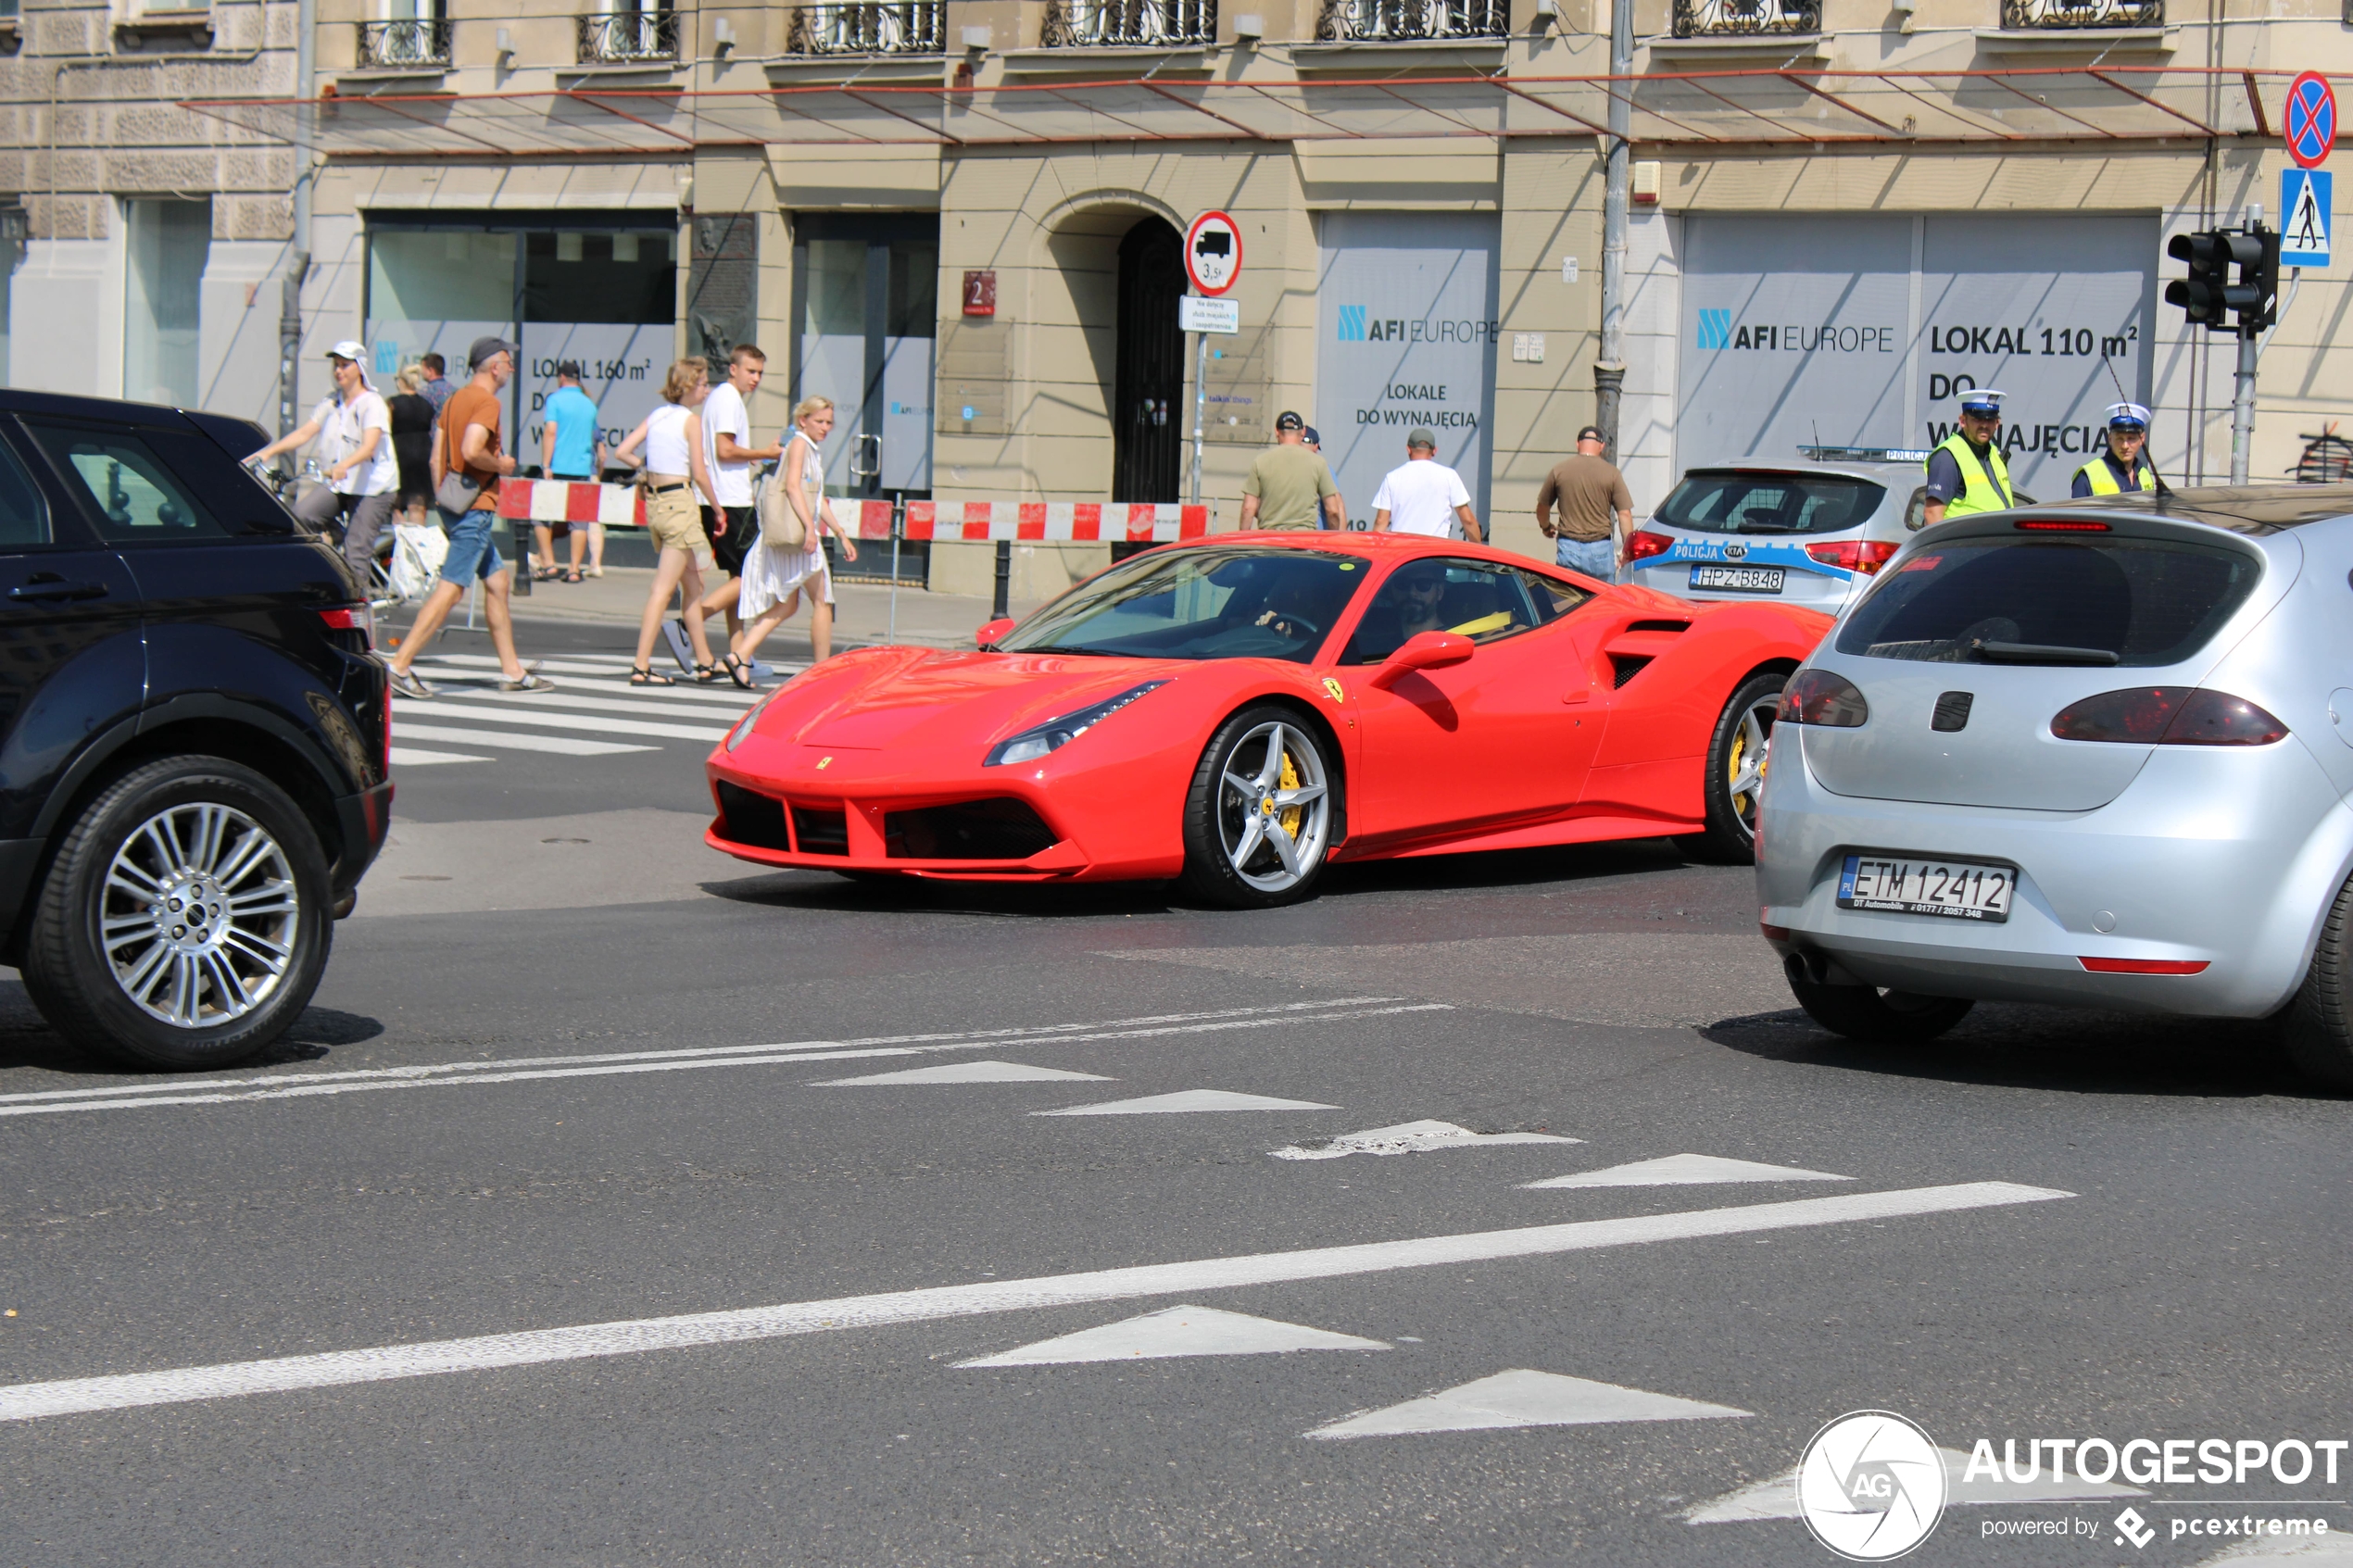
{"x":776,"y":577}
{"x":674,"y":472}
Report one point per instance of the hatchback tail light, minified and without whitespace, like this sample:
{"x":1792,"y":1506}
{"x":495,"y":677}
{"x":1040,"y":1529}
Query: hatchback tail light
{"x":2168,"y":716}
{"x":1817,"y":696}
{"x":1863,"y":556}
{"x":1643,"y":544}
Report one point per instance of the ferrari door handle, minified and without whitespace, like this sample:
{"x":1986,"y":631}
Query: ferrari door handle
{"x":1582,"y":693}
{"x":55,"y":590}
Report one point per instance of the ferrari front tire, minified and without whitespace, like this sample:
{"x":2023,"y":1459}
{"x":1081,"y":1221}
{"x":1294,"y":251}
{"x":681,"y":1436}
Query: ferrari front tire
{"x":1734,"y":781}
{"x":1260,"y":814}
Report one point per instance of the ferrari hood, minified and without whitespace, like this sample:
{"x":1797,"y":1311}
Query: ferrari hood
{"x":931,"y":697}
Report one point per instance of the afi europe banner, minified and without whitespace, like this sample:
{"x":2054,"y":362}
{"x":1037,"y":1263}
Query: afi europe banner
{"x":1789,"y":342}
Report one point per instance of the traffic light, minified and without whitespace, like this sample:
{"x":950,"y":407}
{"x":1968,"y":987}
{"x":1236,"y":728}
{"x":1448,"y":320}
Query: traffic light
{"x":2209,"y":295}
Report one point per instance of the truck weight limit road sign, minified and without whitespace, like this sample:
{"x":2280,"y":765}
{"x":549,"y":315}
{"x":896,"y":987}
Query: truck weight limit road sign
{"x":1214,"y":253}
{"x":2311,"y":119}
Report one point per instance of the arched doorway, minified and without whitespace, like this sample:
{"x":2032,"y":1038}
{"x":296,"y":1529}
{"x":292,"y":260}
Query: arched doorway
{"x":1148,"y":383}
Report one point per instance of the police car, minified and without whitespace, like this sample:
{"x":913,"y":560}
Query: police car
{"x":1811,"y":532}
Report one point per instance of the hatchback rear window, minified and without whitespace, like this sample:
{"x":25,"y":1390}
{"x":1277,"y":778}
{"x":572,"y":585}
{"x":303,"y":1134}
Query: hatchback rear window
{"x":2144,"y":601}
{"x":1769,"y":503}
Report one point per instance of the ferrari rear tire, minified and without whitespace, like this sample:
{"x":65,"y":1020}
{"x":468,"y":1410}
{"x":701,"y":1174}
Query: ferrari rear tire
{"x":1873,"y":1015}
{"x":1734,"y":781}
{"x":2319,"y":1022}
{"x":1259,"y":818}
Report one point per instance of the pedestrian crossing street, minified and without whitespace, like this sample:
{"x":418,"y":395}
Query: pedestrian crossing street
{"x":594,"y":712}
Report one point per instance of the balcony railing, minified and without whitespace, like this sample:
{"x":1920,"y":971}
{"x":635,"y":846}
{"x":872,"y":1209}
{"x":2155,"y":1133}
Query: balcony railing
{"x":1079,"y":24}
{"x":880,"y":27}
{"x":629,"y":38}
{"x":1382,"y":20}
{"x":2035,"y":15}
{"x":1736,"y":18}
{"x":423,"y":40}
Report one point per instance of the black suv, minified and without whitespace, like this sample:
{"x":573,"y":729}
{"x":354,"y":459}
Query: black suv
{"x":193,"y":737}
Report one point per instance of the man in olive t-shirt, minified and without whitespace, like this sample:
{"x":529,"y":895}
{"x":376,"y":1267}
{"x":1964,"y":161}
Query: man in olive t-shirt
{"x":1597,"y":510}
{"x":1289,"y":486}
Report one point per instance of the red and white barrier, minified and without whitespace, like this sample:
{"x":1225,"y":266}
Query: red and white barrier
{"x":1051,"y":522}
{"x":566,"y":500}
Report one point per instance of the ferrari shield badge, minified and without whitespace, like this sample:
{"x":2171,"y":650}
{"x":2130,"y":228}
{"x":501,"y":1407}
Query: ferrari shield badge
{"x":1334,"y":687}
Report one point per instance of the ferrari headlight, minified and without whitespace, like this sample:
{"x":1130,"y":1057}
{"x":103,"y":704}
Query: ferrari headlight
{"x":742,"y":732}
{"x":1055,"y":733}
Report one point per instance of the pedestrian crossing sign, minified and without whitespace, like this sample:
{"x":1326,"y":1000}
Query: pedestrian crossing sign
{"x":2306,"y":213}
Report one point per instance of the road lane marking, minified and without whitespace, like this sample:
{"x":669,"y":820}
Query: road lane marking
{"x":299,"y":1086}
{"x":964,"y":1072}
{"x":494,"y":711}
{"x":1174,"y":1332}
{"x":1185,"y":1101}
{"x":1685,"y":1170}
{"x":562,"y":745}
{"x":1410,"y":1137}
{"x":705,"y":710}
{"x":30,"y":1401}
{"x":411,"y":756}
{"x":1523,"y":1398}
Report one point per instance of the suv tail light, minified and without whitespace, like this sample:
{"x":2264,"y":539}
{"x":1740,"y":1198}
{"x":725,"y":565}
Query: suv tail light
{"x":1817,"y":696}
{"x":350,"y":618}
{"x":1863,"y":556}
{"x":2168,"y":716}
{"x":1643,"y":544}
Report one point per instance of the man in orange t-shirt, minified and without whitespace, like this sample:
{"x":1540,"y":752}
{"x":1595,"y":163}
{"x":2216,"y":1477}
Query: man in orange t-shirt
{"x":468,"y":443}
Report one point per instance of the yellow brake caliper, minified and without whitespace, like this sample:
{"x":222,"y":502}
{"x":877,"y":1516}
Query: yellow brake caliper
{"x":1291,"y":816}
{"x":1741,"y":804}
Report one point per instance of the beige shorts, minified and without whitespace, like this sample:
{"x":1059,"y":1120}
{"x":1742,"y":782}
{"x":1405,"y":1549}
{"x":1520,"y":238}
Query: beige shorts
{"x":674,"y":518}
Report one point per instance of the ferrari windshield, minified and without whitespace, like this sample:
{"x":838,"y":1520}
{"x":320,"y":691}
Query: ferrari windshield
{"x":1232,"y":602}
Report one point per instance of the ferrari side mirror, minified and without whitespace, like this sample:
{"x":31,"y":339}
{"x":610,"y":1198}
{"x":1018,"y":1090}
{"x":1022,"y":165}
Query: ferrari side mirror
{"x":987,"y":636}
{"x":1424,"y":650}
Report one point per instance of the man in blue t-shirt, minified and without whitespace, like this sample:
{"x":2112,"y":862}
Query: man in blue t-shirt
{"x":574,"y":451}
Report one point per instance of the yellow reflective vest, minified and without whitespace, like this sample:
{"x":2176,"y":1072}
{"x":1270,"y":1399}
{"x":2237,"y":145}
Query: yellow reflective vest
{"x":2103,"y":477}
{"x":1981,"y":491}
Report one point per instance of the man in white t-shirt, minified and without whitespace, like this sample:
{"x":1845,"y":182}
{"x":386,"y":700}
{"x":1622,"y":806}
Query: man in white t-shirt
{"x":354,"y":457}
{"x":731,"y":522}
{"x":1425,"y":496}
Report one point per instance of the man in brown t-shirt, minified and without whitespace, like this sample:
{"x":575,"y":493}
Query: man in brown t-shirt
{"x":1597,"y":511}
{"x":467,"y":441}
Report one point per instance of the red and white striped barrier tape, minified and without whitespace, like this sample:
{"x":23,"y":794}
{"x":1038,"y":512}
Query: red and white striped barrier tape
{"x":557,"y":500}
{"x":570,"y":500}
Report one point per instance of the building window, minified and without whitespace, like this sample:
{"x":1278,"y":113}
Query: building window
{"x":1376,"y":20}
{"x":413,"y":33}
{"x":166,"y":244}
{"x":629,"y":34}
{"x":2035,"y":15}
{"x":889,"y":27}
{"x":1718,"y":19}
{"x":1163,"y":23}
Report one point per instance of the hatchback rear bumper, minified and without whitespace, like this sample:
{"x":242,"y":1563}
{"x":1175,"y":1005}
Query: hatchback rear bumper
{"x":2224,"y":857}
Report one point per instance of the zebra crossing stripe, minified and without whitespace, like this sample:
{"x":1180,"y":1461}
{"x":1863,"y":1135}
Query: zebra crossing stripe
{"x":562,"y":745}
{"x":511,"y":713}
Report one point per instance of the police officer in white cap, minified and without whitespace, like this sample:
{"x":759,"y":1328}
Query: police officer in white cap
{"x":2120,"y":467}
{"x":1966,"y":472}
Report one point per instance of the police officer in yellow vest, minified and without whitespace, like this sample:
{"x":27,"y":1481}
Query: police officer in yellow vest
{"x":2120,"y":467}
{"x":1966,"y":472}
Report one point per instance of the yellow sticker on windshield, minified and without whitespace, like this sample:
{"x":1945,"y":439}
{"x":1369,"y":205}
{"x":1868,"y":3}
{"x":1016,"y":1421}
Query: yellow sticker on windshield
{"x":1334,"y":687}
{"x":1348,"y":566}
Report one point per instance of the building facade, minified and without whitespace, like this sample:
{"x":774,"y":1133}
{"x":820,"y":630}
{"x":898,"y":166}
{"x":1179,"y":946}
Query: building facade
{"x":964,"y":221}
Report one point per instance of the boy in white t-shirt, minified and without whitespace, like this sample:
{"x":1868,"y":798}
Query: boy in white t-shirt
{"x":361,"y":474}
{"x":1425,"y":495}
{"x":731,"y":522}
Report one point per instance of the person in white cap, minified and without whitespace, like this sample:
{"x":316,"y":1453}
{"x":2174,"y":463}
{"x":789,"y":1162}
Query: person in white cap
{"x":2119,"y":468}
{"x":354,"y":432}
{"x":1966,"y":472}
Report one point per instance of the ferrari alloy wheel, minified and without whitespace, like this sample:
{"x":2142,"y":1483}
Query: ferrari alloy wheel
{"x":1735,"y":781}
{"x":2319,"y":1020}
{"x":185,"y":922}
{"x":1871,"y":1014}
{"x":1259,"y":817}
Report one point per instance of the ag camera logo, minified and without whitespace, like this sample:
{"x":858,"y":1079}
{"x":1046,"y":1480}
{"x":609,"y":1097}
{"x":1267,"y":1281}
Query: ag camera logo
{"x":1871,"y":1486}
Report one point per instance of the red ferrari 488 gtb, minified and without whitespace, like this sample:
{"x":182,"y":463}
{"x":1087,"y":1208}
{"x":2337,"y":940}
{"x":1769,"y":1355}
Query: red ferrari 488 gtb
{"x":1244,"y":712}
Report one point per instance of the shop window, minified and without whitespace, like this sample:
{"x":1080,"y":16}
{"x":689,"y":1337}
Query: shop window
{"x":168,"y":245}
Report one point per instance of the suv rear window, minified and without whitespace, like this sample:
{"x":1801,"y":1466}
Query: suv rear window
{"x":138,"y":499}
{"x":2147,"y":601}
{"x":1769,"y":503}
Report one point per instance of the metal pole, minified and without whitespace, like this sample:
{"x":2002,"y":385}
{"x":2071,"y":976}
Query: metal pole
{"x":1609,"y":369}
{"x":898,"y":510}
{"x":1200,"y":404}
{"x":298,"y":250}
{"x":998,"y":611}
{"x":2242,"y":408}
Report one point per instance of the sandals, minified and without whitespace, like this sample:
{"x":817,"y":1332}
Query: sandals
{"x":573,"y":576}
{"x":644,"y":675}
{"x":739,"y":671}
{"x":545,"y":575}
{"x":706,"y":673}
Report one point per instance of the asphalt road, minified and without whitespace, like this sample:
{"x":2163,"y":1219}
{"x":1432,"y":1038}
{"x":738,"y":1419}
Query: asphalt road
{"x":569,"y":1069}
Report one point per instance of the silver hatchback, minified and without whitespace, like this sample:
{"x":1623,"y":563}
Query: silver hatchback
{"x":1807,"y":533}
{"x":2097,"y":754}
